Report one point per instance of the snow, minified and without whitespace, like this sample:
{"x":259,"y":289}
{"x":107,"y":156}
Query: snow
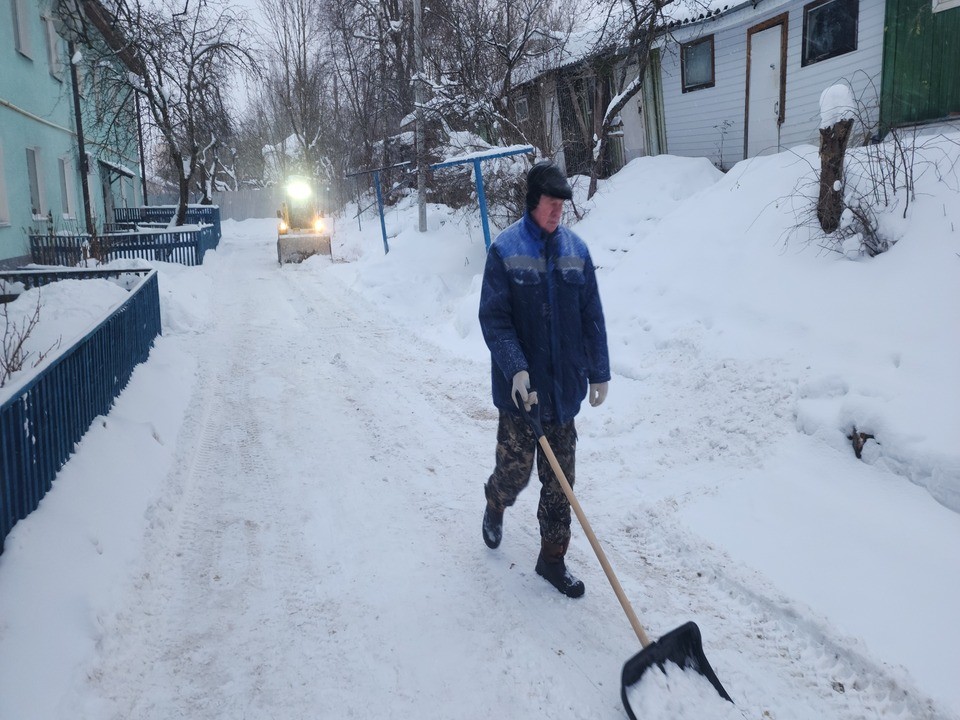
{"x":488,"y":153}
{"x":837,"y":103}
{"x":675,"y":694}
{"x":280,"y":517}
{"x":68,"y":310}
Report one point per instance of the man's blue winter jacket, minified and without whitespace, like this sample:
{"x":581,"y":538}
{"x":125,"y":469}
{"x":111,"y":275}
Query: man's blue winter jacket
{"x":540,"y":311}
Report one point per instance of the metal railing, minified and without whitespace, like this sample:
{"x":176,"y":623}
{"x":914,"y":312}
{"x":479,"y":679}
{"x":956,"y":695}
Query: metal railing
{"x":43,"y":418}
{"x":183,"y":246}
{"x":196,"y":215}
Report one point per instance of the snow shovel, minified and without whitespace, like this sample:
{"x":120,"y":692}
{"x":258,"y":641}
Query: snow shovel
{"x":681,"y":646}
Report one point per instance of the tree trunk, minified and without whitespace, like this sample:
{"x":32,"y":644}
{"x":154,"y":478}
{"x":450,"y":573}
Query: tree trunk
{"x":833,"y":146}
{"x":597,"y":147}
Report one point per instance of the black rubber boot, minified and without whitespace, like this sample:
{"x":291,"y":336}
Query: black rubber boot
{"x":492,"y":527}
{"x":553,"y":569}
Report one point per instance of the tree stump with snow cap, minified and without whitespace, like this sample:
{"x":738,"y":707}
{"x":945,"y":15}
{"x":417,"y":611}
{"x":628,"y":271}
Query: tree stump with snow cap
{"x":833,"y":147}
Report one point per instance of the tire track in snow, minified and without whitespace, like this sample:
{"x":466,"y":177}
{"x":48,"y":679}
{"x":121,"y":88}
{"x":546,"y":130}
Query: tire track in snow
{"x":227,"y":615}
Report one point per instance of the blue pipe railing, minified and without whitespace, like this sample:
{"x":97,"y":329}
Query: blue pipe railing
{"x":42,"y":420}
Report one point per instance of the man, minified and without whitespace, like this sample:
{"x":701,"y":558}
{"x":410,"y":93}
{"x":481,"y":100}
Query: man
{"x":541,"y":318}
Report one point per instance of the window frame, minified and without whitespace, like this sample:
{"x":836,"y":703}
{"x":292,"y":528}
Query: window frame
{"x":683,"y":64}
{"x":53,"y":48}
{"x":524,"y":115}
{"x":21,"y":28}
{"x":35,"y":183}
{"x":68,"y":187}
{"x":805,"y":60}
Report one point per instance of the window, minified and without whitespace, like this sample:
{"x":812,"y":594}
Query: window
{"x":4,"y":208}
{"x":941,"y":5}
{"x":523,"y":109}
{"x":829,"y":29}
{"x":36,"y":183}
{"x":21,"y":27}
{"x":696,"y":64}
{"x":53,"y":48}
{"x":67,"y":188}
{"x":125,"y":185}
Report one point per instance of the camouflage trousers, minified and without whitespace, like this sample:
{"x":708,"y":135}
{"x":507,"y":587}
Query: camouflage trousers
{"x":516,"y":445}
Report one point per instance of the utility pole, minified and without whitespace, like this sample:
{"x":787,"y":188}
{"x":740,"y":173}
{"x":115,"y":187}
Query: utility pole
{"x":418,"y":99}
{"x":81,"y":142}
{"x":143,"y":160}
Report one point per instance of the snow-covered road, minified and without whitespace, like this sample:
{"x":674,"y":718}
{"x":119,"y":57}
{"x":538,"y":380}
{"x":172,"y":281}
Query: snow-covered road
{"x":316,"y":551}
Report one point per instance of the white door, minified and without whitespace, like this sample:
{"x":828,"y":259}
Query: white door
{"x":765,"y":85}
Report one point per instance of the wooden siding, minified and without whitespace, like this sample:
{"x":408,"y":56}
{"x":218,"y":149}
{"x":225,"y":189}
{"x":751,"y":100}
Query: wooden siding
{"x":921,"y":72}
{"x":861,"y":69}
{"x":700,"y":122}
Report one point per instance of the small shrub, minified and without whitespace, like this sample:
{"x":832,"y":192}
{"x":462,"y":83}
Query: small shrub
{"x":13,"y":353}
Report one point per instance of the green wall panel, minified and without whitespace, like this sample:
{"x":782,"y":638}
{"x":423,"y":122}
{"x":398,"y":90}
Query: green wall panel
{"x":921,"y":66}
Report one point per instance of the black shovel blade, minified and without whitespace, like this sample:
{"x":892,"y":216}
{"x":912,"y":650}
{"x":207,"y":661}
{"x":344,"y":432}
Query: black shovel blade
{"x":682,"y":647}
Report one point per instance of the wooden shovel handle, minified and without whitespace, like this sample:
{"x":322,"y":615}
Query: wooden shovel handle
{"x":614,"y":583}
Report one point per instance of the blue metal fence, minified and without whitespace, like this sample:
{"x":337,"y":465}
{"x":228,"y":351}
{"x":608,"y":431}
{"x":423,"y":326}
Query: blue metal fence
{"x":196,"y":215}
{"x":186,"y":247}
{"x":44,"y":418}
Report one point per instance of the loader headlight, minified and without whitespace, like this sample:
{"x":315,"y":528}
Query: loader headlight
{"x":298,"y":189}
{"x":319,"y":225}
{"x":283,"y":226}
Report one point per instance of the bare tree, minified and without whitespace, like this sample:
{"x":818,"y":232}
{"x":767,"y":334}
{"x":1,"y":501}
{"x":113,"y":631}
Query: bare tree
{"x":477,"y":52}
{"x":632,"y":28}
{"x":297,"y":78}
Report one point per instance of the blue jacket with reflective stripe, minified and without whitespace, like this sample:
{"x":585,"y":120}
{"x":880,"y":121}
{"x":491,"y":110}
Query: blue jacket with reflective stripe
{"x":540,"y":311}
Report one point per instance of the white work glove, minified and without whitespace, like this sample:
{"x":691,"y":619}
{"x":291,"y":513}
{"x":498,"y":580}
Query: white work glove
{"x":597,"y":393}
{"x":521,"y":387}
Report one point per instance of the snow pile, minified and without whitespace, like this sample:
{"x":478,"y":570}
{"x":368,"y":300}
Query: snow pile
{"x":677,"y":694}
{"x":836,"y":104}
{"x":65,"y":312}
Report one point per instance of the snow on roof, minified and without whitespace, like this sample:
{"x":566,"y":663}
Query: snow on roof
{"x":681,"y":12}
{"x":691,"y":12}
{"x":121,"y":169}
{"x":599,"y":29}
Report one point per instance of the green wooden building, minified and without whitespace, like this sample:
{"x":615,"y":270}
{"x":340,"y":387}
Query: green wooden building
{"x":921,"y":62}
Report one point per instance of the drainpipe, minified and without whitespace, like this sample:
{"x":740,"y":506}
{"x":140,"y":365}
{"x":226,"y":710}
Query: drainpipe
{"x":81,"y":144}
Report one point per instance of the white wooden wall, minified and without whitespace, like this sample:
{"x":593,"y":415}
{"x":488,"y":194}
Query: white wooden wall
{"x":694,"y":120}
